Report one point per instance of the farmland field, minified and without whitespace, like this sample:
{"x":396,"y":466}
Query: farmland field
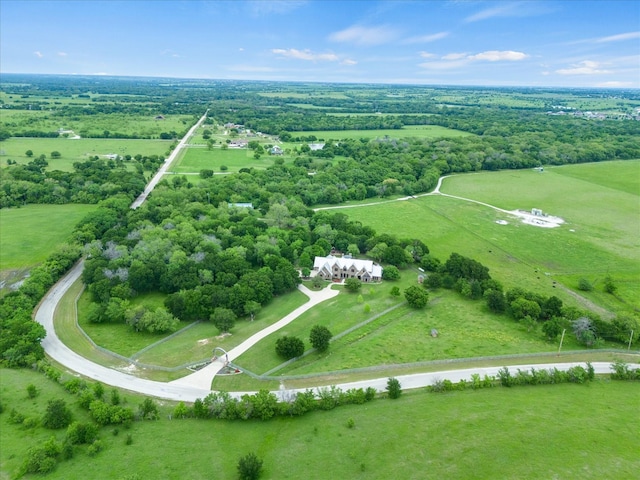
{"x":600,"y":235}
{"x":77,"y":150}
{"x":196,"y":159}
{"x":417,"y":131}
{"x":470,"y":434}
{"x":29,"y":234}
{"x":145,"y":126}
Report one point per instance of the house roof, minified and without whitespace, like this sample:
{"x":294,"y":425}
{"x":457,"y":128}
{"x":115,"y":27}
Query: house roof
{"x":329,"y":261}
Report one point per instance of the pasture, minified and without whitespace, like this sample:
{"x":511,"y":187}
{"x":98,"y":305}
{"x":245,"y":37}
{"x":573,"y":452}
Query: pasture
{"x":133,"y":125}
{"x":600,"y":235}
{"x":493,"y":433}
{"x":408,"y":131}
{"x":196,"y":159}
{"x":30,"y":233}
{"x":77,"y":150}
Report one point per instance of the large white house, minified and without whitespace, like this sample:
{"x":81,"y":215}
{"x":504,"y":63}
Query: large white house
{"x":339,"y":268}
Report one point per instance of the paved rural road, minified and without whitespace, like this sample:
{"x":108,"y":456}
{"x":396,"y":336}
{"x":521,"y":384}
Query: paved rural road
{"x":184,"y":392}
{"x":197,"y":385}
{"x":167,"y":163}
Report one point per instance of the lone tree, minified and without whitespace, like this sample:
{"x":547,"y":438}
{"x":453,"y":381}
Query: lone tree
{"x":249,"y":467}
{"x":394,"y":390}
{"x":57,"y":415}
{"x":223,"y":318}
{"x":353,"y":284}
{"x":289,"y":347}
{"x":320,"y":337}
{"x":416,"y":297}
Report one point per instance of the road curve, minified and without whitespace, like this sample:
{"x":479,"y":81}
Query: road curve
{"x":62,"y":354}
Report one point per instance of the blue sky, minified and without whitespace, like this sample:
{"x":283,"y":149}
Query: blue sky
{"x":456,"y":42}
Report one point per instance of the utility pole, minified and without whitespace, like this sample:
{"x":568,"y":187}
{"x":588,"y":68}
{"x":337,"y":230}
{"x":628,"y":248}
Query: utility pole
{"x":561,"y":340}
{"x":630,"y":339}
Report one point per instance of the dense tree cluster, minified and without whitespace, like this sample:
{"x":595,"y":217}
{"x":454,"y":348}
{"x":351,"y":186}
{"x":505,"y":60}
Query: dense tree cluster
{"x":90,"y":181}
{"x":473,"y":281}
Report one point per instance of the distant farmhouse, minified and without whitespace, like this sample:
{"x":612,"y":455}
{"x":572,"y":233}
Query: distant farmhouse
{"x":340,"y":268}
{"x":316,"y":146}
{"x":240,"y":143}
{"x":276,"y":150}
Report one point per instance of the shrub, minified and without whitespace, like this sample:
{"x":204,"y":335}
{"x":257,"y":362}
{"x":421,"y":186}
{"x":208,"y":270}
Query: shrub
{"x":289,"y":347}
{"x":585,"y":285}
{"x":249,"y":467}
{"x":57,"y":415}
{"x":394,"y":389}
{"x":16,"y":417}
{"x":352,"y":284}
{"x":32,"y":391}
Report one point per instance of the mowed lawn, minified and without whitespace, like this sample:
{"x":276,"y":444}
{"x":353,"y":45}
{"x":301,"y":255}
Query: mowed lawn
{"x":196,"y":159}
{"x":562,"y":431}
{"x":417,"y":131}
{"x":30,"y":233}
{"x":601,"y":235}
{"x":77,"y":150}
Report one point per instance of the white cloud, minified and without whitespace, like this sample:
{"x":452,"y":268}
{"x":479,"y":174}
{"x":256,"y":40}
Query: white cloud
{"x":512,"y":9}
{"x":619,"y":37}
{"x":452,"y":61}
{"x":454,"y":56}
{"x":426,"y":38}
{"x":586,"y":67}
{"x":348,"y":61}
{"x":305,"y":55}
{"x":62,"y":54}
{"x":427,"y":55}
{"x":504,"y":10}
{"x":365,"y":36}
{"x":497,"y":56}
{"x":38,"y":54}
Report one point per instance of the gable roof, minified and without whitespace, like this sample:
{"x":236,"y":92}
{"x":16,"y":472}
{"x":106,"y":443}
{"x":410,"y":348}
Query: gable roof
{"x":343,"y":263}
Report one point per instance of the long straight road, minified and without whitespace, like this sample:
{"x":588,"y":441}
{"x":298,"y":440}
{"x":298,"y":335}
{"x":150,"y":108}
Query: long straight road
{"x":167,"y":163}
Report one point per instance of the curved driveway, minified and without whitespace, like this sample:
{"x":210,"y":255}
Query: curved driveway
{"x":183,"y":390}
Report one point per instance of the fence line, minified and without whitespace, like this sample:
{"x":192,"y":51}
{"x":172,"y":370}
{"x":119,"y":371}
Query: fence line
{"x":447,"y":361}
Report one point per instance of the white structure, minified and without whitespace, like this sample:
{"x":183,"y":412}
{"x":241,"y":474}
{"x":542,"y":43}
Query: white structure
{"x":536,"y":211}
{"x":340,"y":268}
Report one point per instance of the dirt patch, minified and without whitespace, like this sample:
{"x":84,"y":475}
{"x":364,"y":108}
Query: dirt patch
{"x":223,"y":336}
{"x":204,"y":341}
{"x":543,"y":221}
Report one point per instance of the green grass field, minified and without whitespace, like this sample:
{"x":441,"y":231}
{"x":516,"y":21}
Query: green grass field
{"x":196,"y":159}
{"x":417,"y":131}
{"x":198,"y":342}
{"x":76,"y":150}
{"x":557,"y":431}
{"x":96,"y":124}
{"x":603,"y":216}
{"x":30,"y":233}
{"x":120,"y":338}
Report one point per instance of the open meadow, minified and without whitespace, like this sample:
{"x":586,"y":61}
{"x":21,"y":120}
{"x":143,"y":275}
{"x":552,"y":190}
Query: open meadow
{"x":600,"y":235}
{"x":77,"y":150}
{"x":493,"y":433}
{"x":30,"y":233}
{"x":130,"y":124}
{"x":196,"y":159}
{"x":408,"y":131}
